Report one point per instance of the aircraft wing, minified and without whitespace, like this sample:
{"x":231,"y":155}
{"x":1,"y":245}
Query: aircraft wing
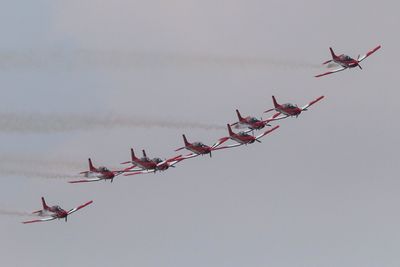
{"x":171,"y":161}
{"x":174,"y":160}
{"x":330,"y":72}
{"x":267,"y":132}
{"x":189,"y":156}
{"x":80,"y":207}
{"x":312,"y":103}
{"x":40,"y":220}
{"x":361,"y":58}
{"x":129,"y":169}
{"x":275,"y":117}
{"x":85,"y":180}
{"x":229,"y":146}
{"x":219,"y":142}
{"x":140,"y":172}
{"x":129,"y":161}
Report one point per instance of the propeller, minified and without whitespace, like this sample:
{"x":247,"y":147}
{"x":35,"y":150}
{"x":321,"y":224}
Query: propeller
{"x":66,"y":218}
{"x":358,"y":62}
{"x":258,"y":140}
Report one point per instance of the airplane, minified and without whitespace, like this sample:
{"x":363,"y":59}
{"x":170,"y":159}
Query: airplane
{"x":289,"y":109}
{"x":243,"y":138}
{"x":100,"y":173}
{"x":345,"y":61}
{"x":54,"y":212}
{"x":198,"y":148}
{"x":147,"y":165}
{"x":252,"y":122}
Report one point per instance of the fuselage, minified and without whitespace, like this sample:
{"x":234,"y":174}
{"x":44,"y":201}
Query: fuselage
{"x":289,"y":109}
{"x":160,"y":167}
{"x":199,"y":148}
{"x":103,"y":173}
{"x":345,"y":61}
{"x":57,"y":212}
{"x":253,"y":123}
{"x":145,"y":163}
{"x":242,"y":138}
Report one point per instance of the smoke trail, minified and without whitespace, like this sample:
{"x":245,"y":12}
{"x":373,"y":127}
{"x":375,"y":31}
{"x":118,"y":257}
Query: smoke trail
{"x":113,"y":59}
{"x":30,"y":173}
{"x":53,"y":123}
{"x":15,"y":213}
{"x":24,"y":161}
{"x":23,"y":166}
{"x":332,"y":65}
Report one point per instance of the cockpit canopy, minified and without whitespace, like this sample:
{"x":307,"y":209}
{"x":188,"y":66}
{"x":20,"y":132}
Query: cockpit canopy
{"x":57,"y":208}
{"x":157,"y":160}
{"x":346,"y":57}
{"x":103,"y":169}
{"x":199,"y":144}
{"x":243,"y":134}
{"x":145,"y":159}
{"x":253,"y":120}
{"x":289,"y":105}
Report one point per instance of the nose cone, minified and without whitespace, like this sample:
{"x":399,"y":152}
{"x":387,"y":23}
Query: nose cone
{"x":354,"y":64}
{"x":63,"y":214}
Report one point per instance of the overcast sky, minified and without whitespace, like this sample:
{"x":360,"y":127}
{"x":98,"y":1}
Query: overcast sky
{"x":322,"y":190}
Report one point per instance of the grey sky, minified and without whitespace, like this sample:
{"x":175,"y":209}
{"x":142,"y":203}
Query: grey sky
{"x":320,"y":191}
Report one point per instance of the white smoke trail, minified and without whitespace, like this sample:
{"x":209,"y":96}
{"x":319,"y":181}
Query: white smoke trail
{"x":35,"y":162}
{"x":30,"y":173}
{"x":113,"y":59}
{"x":15,"y":213}
{"x":53,"y":123}
{"x":23,"y":166}
{"x":332,"y":65}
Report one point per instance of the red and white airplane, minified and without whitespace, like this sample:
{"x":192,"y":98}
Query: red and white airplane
{"x":147,"y":165}
{"x":252,"y":122}
{"x":97,"y":174}
{"x":243,"y":138}
{"x":54,"y":212}
{"x":345,"y":61}
{"x":289,"y":109}
{"x":198,"y":148}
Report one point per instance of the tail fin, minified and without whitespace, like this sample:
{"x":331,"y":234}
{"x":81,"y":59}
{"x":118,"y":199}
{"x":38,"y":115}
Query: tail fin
{"x":185,"y":140}
{"x":45,"y":207}
{"x":144,"y":153}
{"x":239,"y":116}
{"x":91,"y":167}
{"x":332,"y":53}
{"x":133,"y":157}
{"x":275,"y":103}
{"x":230,"y":130}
